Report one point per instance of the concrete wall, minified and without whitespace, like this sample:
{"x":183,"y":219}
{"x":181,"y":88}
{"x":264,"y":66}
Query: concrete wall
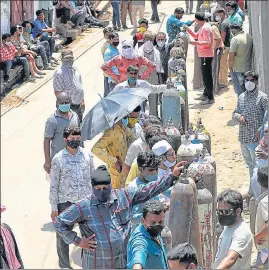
{"x":5,"y":16}
{"x":259,"y":29}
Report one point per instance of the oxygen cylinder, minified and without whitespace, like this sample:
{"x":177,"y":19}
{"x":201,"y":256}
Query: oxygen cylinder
{"x":202,"y":166}
{"x":188,"y":149}
{"x":205,"y":201}
{"x":183,"y":213}
{"x":184,"y":36}
{"x":174,"y":134}
{"x":171,"y":107}
{"x":167,"y":237}
{"x":197,"y":74}
{"x":252,"y":213}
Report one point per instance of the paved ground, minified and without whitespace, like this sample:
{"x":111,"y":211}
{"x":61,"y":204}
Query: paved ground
{"x":25,"y":191}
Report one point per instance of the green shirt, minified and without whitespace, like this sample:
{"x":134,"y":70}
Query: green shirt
{"x":241,"y":46}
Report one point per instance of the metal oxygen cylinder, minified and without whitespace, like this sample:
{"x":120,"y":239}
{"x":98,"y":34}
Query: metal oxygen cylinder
{"x":183,"y":213}
{"x":167,"y":237}
{"x":202,"y":166}
{"x":205,"y":202}
{"x":174,"y":134}
{"x":171,"y":107}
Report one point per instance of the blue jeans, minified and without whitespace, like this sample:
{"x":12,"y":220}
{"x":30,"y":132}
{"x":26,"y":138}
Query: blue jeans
{"x":238,"y":82}
{"x":248,"y":152}
{"x":116,"y":13}
{"x":9,"y":64}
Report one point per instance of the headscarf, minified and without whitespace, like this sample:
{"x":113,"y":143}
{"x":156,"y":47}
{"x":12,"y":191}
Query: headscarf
{"x":128,"y":53}
{"x":9,"y":246}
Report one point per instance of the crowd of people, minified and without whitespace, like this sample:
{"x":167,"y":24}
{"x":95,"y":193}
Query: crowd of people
{"x":122,"y":207}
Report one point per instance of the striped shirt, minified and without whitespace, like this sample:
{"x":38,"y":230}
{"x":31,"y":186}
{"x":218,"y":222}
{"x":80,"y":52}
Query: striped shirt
{"x":68,"y":79}
{"x":252,"y":105}
{"x":110,"y":222}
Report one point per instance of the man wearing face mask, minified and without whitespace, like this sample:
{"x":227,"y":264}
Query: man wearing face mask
{"x":70,"y":175}
{"x":236,"y":240}
{"x":251,"y":107}
{"x":232,"y":9}
{"x":55,"y":126}
{"x":174,"y":24}
{"x":240,"y":56}
{"x":151,"y":53}
{"x":112,"y":148}
{"x":104,"y":218}
{"x":126,"y":59}
{"x":146,"y":249}
{"x":68,"y":79}
{"x":110,"y":53}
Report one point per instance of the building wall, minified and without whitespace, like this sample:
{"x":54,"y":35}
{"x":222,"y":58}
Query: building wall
{"x":5,"y":16}
{"x":259,"y":29}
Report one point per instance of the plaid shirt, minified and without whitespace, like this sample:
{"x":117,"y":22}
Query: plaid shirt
{"x":110,"y":222}
{"x":7,"y":52}
{"x":252,"y":105}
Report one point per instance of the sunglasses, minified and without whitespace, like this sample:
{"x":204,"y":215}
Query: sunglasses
{"x":225,"y":212}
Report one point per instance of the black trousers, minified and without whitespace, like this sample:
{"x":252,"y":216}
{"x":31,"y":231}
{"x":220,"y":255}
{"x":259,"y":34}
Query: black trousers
{"x":206,"y":67}
{"x":64,"y":13}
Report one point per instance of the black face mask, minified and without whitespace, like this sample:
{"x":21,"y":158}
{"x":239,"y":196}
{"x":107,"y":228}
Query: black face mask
{"x":227,"y":220}
{"x":74,"y":144}
{"x":116,"y":44}
{"x":102,"y":195}
{"x":155,"y":230}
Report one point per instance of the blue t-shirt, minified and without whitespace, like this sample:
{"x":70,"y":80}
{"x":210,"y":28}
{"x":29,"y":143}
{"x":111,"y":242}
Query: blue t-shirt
{"x":39,"y":25}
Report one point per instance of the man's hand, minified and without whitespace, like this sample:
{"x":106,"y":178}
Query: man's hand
{"x":88,"y":243}
{"x":53,"y":215}
{"x":231,"y":69}
{"x":185,"y":27}
{"x":261,"y":154}
{"x":194,"y":43}
{"x":242,"y":120}
{"x":47,"y":167}
{"x":178,"y":168}
{"x":34,"y":54}
{"x":258,"y":241}
{"x":257,"y":135}
{"x":118,"y":165}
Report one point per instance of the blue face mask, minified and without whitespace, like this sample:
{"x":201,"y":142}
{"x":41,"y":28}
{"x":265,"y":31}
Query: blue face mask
{"x":125,"y":121}
{"x":151,"y":178}
{"x":64,"y":108}
{"x":28,"y":30}
{"x":131,"y":80}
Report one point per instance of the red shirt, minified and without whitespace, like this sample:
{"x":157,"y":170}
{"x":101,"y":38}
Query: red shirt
{"x":123,"y":63}
{"x":7,"y":52}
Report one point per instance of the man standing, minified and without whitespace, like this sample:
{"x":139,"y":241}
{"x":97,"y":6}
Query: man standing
{"x":236,"y":240}
{"x":189,"y":6}
{"x":112,"y":148}
{"x":164,"y":49}
{"x":261,"y":230}
{"x":155,"y":15}
{"x":70,"y":181}
{"x":232,"y":11}
{"x":183,"y":256}
{"x":47,"y":8}
{"x":110,"y":53}
{"x":127,"y":58}
{"x":174,"y":24}
{"x":250,"y":110}
{"x":226,"y":37}
{"x":146,"y":249}
{"x":55,"y":126}
{"x":205,"y":51}
{"x":104,"y":218}
{"x":240,"y":56}
{"x":138,"y":5}
{"x":68,"y":79}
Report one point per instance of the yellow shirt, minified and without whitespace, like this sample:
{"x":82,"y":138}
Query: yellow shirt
{"x":134,"y":172}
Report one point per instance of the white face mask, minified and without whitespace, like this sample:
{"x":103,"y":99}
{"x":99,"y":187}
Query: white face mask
{"x":127,"y":53}
{"x":169,"y":164}
{"x":250,"y":86}
{"x":8,"y":43}
{"x":148,"y":46}
{"x":161,"y":43}
{"x":218,"y":18}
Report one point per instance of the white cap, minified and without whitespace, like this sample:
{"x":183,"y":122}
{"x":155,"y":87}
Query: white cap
{"x":161,"y":147}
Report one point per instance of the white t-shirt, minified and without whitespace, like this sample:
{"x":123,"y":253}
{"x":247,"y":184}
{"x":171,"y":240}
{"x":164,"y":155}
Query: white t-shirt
{"x":237,"y":238}
{"x":262,"y":217}
{"x":135,"y":148}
